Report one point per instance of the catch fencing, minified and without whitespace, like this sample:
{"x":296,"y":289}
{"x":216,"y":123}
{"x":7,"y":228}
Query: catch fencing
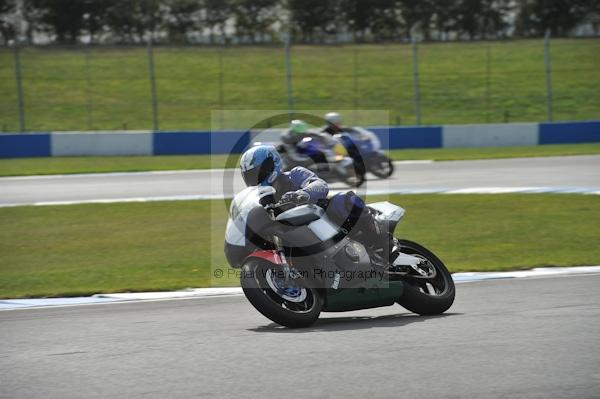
{"x":79,"y":88}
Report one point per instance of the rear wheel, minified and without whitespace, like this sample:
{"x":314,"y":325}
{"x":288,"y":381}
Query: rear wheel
{"x":291,"y":305}
{"x":427,"y":296}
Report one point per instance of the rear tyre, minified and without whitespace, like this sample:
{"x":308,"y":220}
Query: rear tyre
{"x":293,"y":307}
{"x":427,"y":297}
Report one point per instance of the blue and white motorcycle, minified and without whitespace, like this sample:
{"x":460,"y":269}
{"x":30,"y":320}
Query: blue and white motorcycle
{"x":324,"y":155}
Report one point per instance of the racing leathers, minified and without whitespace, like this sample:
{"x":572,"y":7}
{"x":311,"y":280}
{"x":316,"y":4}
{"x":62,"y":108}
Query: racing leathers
{"x":300,"y":178}
{"x":346,"y":209}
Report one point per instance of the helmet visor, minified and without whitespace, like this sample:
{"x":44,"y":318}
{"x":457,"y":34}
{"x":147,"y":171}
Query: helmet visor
{"x":255,"y":176}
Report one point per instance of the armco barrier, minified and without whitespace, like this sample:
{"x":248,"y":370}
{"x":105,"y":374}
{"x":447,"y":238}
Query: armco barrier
{"x":14,"y":145}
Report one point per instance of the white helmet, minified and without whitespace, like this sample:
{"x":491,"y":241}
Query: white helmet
{"x":333,"y":118}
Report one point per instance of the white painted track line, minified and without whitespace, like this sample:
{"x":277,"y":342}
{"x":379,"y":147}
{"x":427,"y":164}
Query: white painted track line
{"x":218,"y":292}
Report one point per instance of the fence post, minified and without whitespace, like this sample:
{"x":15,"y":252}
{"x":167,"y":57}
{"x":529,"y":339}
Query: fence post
{"x":355,"y":82}
{"x":416,"y":80}
{"x":152,"y":85}
{"x":488,"y":68}
{"x":88,"y":77}
{"x":548,"y":68}
{"x":288,"y":76}
{"x":20,"y":102}
{"x":221,"y":93}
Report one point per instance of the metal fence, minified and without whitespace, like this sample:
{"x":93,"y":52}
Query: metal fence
{"x":176,"y":88}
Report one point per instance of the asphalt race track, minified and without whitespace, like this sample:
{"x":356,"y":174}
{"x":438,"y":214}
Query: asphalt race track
{"x":562,"y":172}
{"x":524,"y":338}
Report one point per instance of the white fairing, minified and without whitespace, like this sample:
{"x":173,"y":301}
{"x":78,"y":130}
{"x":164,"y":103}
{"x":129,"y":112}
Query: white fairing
{"x":370,"y":135}
{"x":323,"y":228}
{"x":241,"y":205}
{"x":388,"y":210}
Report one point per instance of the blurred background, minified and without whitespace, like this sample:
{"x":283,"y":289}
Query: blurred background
{"x":165,"y":64}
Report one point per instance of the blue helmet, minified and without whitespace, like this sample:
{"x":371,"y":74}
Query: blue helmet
{"x":260,"y":165}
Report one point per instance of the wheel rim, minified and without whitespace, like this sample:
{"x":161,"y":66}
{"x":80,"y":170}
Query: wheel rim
{"x":292,"y":292}
{"x":436,"y":286}
{"x":291,"y":297}
{"x":356,"y":180}
{"x":383,"y":168}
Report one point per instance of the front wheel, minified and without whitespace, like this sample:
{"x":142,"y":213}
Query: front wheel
{"x":355,"y":180}
{"x":427,"y":296}
{"x":352,"y":175}
{"x":382,"y":167}
{"x":290,"y":305}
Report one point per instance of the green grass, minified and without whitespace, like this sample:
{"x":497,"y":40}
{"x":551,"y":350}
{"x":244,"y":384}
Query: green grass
{"x":85,"y":249}
{"x":108,"y":88}
{"x":67,"y":165}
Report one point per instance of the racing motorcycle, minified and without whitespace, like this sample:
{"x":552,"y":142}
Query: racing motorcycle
{"x":328,"y":158}
{"x":365,"y":148}
{"x":296,"y":262}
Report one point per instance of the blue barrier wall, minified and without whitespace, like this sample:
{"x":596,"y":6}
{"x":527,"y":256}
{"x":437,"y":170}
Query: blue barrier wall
{"x":416,"y":137}
{"x":186,"y":143}
{"x":181,"y":143}
{"x":396,"y":137}
{"x":569,"y":132}
{"x":25,"y":145}
{"x":204,"y":142}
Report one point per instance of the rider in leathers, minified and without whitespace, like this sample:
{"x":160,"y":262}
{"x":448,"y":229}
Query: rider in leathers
{"x":261,"y":165}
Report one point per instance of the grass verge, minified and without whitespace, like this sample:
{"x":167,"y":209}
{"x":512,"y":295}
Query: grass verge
{"x":68,"y":165}
{"x":86,"y":249}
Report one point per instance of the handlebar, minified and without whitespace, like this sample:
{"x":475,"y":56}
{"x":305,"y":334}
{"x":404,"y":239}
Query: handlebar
{"x":279,"y":204}
{"x":283,"y":202}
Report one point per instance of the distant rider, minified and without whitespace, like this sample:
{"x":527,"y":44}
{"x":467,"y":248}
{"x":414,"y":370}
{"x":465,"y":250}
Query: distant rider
{"x":334,"y":123}
{"x":297,"y":132}
{"x":334,"y":126}
{"x":261,"y":166}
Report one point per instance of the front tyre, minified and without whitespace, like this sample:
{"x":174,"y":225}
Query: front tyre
{"x":355,"y":181}
{"x":427,"y":296}
{"x":292,"y":306}
{"x":382,"y":167}
{"x":353,"y":176}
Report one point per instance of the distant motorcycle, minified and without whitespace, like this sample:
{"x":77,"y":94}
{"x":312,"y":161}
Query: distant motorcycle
{"x":326,"y":157}
{"x":295,"y":263}
{"x":365,"y":148}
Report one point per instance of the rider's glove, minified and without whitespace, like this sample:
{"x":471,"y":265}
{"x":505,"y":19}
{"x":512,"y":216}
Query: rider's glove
{"x":296,"y":197}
